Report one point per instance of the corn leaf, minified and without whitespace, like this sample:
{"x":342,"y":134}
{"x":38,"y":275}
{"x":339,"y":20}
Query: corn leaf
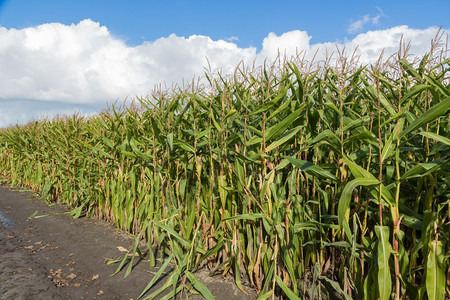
{"x":435,"y":275}
{"x":383,"y":255}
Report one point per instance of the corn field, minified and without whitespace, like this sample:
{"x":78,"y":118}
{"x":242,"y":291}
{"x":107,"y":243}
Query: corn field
{"x":300,"y":180}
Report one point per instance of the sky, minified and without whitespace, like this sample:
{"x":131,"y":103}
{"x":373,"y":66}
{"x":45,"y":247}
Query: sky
{"x":63,"y":56}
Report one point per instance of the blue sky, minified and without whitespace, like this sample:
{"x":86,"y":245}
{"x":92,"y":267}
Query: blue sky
{"x":250,"y":21}
{"x":63,"y":56}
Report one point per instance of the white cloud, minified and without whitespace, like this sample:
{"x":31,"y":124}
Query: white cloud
{"x":288,"y":44}
{"x":85,"y":63}
{"x":84,"y":66}
{"x":358,"y":25}
{"x":372,"y":43}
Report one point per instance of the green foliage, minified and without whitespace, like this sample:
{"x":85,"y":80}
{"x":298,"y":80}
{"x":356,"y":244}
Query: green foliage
{"x":303,"y":183}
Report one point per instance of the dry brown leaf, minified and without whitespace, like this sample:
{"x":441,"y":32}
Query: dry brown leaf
{"x":95,"y":277}
{"x":70,"y":263}
{"x":71,"y":276}
{"x":121,"y":249}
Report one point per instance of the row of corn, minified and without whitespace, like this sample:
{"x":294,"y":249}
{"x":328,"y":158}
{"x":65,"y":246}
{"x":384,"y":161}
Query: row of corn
{"x":300,"y":180}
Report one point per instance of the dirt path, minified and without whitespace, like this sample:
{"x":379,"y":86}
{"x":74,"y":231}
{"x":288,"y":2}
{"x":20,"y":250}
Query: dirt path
{"x":45,"y":254}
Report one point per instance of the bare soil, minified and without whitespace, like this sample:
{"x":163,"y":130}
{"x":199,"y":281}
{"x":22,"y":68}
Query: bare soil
{"x":47,"y":254}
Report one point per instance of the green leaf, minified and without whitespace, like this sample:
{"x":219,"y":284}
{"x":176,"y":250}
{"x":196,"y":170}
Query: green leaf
{"x":389,"y":146}
{"x":175,"y":234}
{"x":286,"y":137}
{"x":436,"y":137}
{"x":265,"y":296}
{"x":279,"y":109}
{"x":230,"y":113}
{"x":289,"y":293}
{"x":377,"y":95}
{"x":279,"y":128}
{"x":222,"y":190}
{"x":423,"y":169}
{"x":184,"y":145}
{"x":135,"y":250}
{"x":218,"y":127}
{"x":290,"y":268}
{"x":170,"y":140}
{"x":128,"y":154}
{"x":438,"y":85}
{"x":416,"y":89}
{"x":328,"y":137}
{"x":336,"y":286}
{"x":200,"y":287}
{"x":311,"y":168}
{"x":359,"y":172}
{"x":430,"y":115}
{"x":387,"y":149}
{"x":435,"y":275}
{"x":383,"y":255}
{"x":344,"y":201}
{"x":267,"y":105}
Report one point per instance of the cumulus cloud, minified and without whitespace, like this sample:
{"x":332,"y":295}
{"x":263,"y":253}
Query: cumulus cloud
{"x":368,"y":46}
{"x":84,"y":63}
{"x":358,"y":25}
{"x":84,"y":66}
{"x":288,"y":44}
{"x":372,"y":43}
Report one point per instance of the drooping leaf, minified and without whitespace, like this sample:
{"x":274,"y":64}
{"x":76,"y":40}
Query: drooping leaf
{"x":347,"y":192}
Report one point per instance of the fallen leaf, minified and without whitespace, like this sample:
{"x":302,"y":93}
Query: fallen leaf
{"x":100,"y":292}
{"x":55,"y":272}
{"x":70,"y":263}
{"x":131,"y":254}
{"x":95,"y":277}
{"x":122,"y":249}
{"x":71,"y":276}
{"x":77,"y":285}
